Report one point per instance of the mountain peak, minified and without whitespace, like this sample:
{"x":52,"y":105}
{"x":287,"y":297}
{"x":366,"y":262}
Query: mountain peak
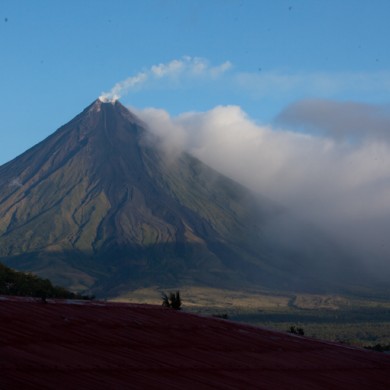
{"x":105,"y":99}
{"x":112,"y":108}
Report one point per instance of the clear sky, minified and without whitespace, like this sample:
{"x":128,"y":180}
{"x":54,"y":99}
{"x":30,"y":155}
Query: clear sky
{"x":58,"y":56}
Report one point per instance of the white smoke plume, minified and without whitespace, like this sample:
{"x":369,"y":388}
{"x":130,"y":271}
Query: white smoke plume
{"x":341,"y":184}
{"x":179,"y":68}
{"x":119,"y":88}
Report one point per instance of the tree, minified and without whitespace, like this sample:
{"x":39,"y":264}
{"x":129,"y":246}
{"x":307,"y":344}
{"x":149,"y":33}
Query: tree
{"x":173,"y":301}
{"x":28,"y":285}
{"x":295,"y":330}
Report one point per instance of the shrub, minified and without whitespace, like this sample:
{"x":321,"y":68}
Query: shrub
{"x":172,"y":301}
{"x":224,"y":316}
{"x":379,"y":347}
{"x":295,"y":330}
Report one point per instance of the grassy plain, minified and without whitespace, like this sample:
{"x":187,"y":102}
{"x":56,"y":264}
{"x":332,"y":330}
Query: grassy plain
{"x":349,"y":320}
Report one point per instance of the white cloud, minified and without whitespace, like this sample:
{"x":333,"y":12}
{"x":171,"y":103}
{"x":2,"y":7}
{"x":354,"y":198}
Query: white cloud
{"x":217,"y":70}
{"x":186,"y":67}
{"x":341,"y":186}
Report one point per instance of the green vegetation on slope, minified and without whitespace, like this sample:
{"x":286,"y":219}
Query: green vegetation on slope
{"x":29,"y":285}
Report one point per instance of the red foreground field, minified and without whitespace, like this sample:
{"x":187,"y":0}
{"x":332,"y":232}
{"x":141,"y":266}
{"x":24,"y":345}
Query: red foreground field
{"x":98,"y":345}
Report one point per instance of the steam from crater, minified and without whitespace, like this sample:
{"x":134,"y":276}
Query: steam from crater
{"x":186,"y":67}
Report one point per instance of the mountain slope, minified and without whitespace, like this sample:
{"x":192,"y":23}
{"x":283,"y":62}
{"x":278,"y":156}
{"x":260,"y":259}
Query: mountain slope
{"x":99,"y":204}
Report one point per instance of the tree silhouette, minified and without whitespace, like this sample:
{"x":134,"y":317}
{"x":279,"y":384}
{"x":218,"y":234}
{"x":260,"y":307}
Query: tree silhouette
{"x":172,"y":301}
{"x":295,"y":330}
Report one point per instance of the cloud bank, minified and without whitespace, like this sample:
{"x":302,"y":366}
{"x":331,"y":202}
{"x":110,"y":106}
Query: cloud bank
{"x":186,"y":67}
{"x":340,"y":120}
{"x":337,"y":177}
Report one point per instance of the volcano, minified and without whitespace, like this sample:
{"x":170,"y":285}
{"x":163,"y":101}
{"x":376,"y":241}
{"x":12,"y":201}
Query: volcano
{"x":99,"y":205}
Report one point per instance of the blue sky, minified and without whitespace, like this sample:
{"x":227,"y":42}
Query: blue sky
{"x":58,"y":56}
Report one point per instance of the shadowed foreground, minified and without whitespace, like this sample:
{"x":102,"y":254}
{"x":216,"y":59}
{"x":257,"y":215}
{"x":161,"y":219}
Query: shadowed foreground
{"x":96,"y":345}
